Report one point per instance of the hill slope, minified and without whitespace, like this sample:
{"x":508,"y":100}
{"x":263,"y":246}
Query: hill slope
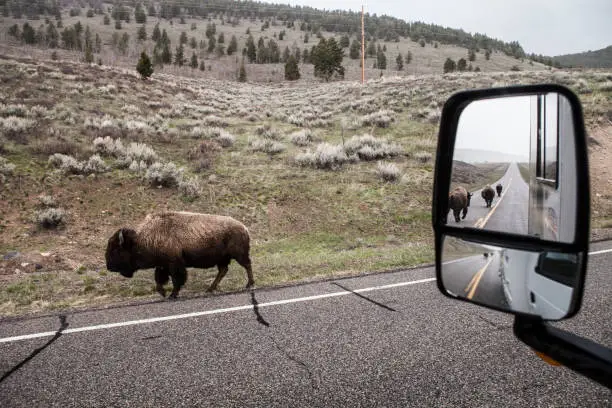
{"x":590,"y":59}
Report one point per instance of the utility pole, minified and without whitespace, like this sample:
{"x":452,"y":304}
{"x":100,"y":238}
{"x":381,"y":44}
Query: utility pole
{"x":362,"y":48}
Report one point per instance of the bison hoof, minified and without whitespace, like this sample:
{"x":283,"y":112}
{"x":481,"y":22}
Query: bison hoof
{"x":210,"y":290}
{"x":173,"y":296}
{"x":161,"y":291}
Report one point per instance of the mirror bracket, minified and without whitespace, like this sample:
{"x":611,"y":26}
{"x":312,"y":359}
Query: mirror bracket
{"x":577,"y":353}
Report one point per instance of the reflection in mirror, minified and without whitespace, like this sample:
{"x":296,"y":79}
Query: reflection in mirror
{"x":536,"y":283}
{"x":513,"y":167}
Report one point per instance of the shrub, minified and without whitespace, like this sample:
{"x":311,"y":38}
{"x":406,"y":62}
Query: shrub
{"x":66,"y":164}
{"x":206,"y":149}
{"x":326,"y":156}
{"x":138,"y":166}
{"x":140,"y":151}
{"x":107,"y":146}
{"x":367,"y":147}
{"x":267,"y":132}
{"x":51,"y":217}
{"x":387,"y":171}
{"x":422,"y":156}
{"x":47,"y":201}
{"x":226,"y":139}
{"x":265,"y":145}
{"x":190,"y":188}
{"x":95,"y":165}
{"x":302,"y":137}
{"x":55,"y":145}
{"x":381,"y":119}
{"x":6,"y":169}
{"x":163,"y":174}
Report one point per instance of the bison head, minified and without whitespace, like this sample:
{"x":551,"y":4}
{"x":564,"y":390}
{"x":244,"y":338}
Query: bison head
{"x":119,"y":252}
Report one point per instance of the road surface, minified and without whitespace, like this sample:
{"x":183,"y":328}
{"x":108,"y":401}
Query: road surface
{"x":476,"y":278}
{"x":381,"y":340}
{"x":511,"y":213}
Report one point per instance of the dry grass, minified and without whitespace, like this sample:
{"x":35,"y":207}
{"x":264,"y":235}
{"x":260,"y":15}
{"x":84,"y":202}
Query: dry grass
{"x":305,"y":222}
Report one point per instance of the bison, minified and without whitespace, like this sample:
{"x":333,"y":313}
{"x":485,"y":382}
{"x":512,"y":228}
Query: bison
{"x":459,"y":200}
{"x":170,"y":242}
{"x":499,"y":189}
{"x":488,"y":194}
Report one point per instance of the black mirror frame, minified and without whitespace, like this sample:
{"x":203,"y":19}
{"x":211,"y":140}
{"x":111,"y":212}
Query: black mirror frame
{"x":446,"y":141}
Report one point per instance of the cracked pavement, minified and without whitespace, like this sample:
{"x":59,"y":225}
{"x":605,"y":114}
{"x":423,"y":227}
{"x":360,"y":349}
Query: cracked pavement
{"x":397,"y":346}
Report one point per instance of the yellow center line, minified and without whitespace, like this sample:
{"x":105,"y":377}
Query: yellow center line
{"x":481,"y":222}
{"x":477,"y":277}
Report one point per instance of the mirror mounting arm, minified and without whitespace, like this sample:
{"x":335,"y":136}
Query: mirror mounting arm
{"x":577,"y":353}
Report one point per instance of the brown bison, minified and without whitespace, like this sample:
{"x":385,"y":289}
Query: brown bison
{"x":170,"y":242}
{"x":459,"y":200}
{"x":498,"y":188}
{"x":488,"y":194}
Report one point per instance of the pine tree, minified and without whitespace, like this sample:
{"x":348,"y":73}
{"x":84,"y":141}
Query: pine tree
{"x":327,"y":59}
{"x":449,"y":65}
{"x":408,"y":57}
{"x":292,"y":71}
{"x":221,"y":38}
{"x":212,"y":43}
{"x":142,"y":33}
{"x":193,"y":43}
{"x":462,"y":65}
{"x":251,"y":50}
{"x":194,"y":61}
{"x":242,"y":76}
{"x":179,"y":57}
{"x":355,"y":50}
{"x":399,"y":62}
{"x":286,"y":54}
{"x":345,"y":41}
{"x":202,"y":66}
{"x":381,"y":60}
{"x":233,"y":46}
{"x":183,"y":38}
{"x":144,"y":66}
{"x":89,"y":58}
{"x":471,"y":55}
{"x":156,"y":33}
{"x":487,"y":54}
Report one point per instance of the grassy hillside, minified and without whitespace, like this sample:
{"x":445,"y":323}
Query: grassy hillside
{"x":331,"y":179}
{"x":590,"y":59}
{"x":428,"y":55}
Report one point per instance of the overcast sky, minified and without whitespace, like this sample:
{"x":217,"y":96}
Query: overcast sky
{"x":549,"y":27}
{"x":496,"y":125}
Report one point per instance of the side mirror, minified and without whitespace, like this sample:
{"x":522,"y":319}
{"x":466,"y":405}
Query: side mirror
{"x":511,"y":200}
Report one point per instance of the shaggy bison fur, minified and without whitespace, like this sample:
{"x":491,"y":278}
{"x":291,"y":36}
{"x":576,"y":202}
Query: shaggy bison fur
{"x":459,"y":200}
{"x":499,"y":189}
{"x":488,"y":194}
{"x":170,"y":242}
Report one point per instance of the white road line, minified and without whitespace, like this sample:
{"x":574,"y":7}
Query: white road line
{"x":210,"y":312}
{"x":603,"y":251}
{"x":232,"y":309}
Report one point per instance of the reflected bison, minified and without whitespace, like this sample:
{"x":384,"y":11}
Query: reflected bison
{"x":170,"y":242}
{"x":488,"y":194}
{"x":458,"y":201}
{"x":498,"y":188}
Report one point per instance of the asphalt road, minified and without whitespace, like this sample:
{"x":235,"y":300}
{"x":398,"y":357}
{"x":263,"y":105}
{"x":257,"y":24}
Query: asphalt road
{"x":350,"y":342}
{"x":476,"y":278}
{"x":508,"y":213}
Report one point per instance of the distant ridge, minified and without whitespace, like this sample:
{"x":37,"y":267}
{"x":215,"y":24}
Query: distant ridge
{"x":590,"y":59}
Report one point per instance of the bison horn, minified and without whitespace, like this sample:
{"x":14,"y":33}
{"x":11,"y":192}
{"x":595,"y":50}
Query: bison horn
{"x":121,"y":238}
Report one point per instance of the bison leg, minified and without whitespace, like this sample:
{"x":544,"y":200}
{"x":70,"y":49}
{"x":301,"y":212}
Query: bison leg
{"x":222,"y":271}
{"x":246,"y":264}
{"x":161,"y":278}
{"x":179,"y":277}
{"x":464,"y":213}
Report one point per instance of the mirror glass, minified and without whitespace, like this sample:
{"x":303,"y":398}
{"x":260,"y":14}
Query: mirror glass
{"x":536,"y":283}
{"x":514,"y":167}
